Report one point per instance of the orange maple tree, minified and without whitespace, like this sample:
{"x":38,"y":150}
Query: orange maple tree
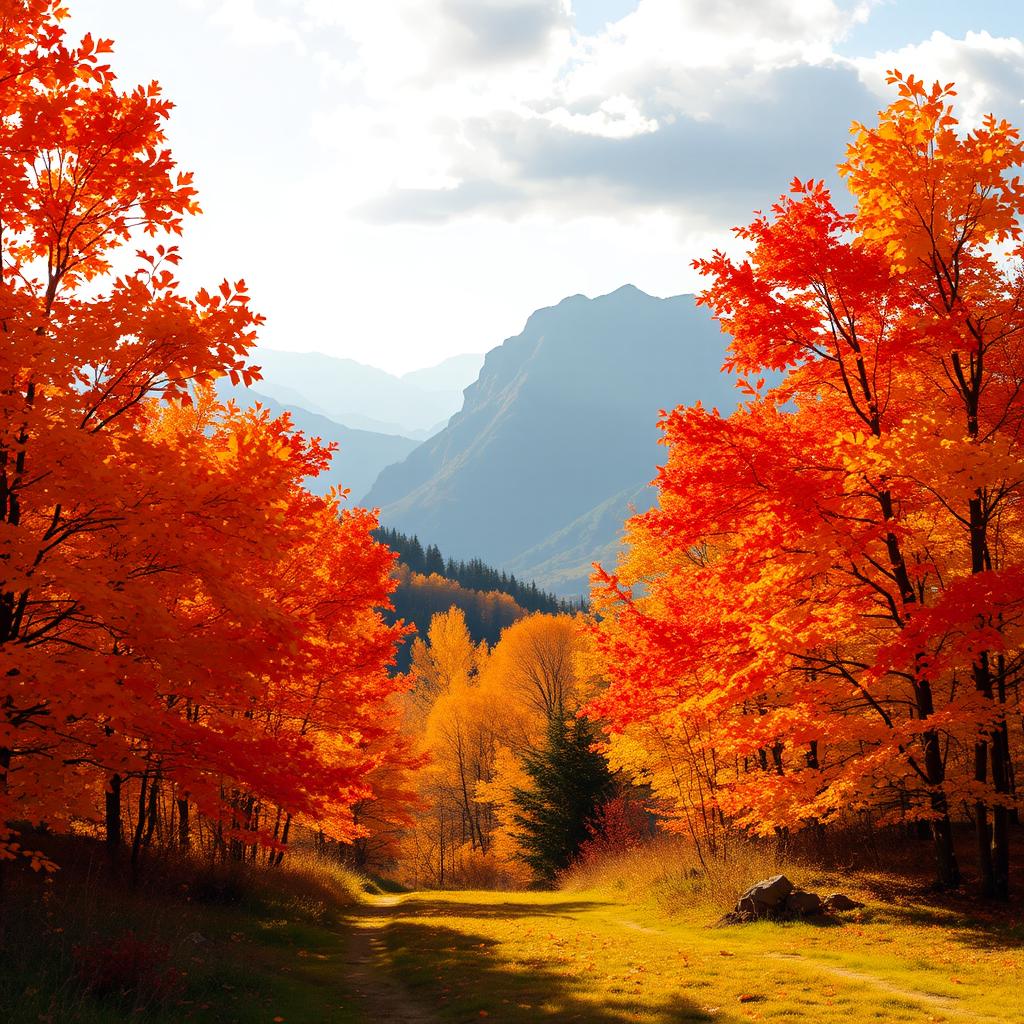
{"x":177,"y":614}
{"x":824,"y":613}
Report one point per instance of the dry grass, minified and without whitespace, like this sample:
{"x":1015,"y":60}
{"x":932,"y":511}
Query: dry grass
{"x":667,"y":873}
{"x":630,"y":940}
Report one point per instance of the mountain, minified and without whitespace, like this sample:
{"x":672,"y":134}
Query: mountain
{"x":564,"y":560}
{"x":559,"y":435}
{"x":416,"y":404}
{"x":453,"y":374}
{"x":361,"y":454}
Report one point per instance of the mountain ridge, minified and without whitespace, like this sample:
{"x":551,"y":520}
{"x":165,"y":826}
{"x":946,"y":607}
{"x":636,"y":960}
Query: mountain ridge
{"x":582,"y":385}
{"x":361,"y":454}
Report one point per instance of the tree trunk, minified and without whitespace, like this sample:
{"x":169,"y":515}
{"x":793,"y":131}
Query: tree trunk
{"x":140,"y":824}
{"x":284,"y":840}
{"x":1002,"y":776}
{"x":948,"y":871}
{"x":154,"y":791}
{"x":1000,"y":853}
{"x":112,"y":800}
{"x":982,"y":829}
{"x":183,"y":824}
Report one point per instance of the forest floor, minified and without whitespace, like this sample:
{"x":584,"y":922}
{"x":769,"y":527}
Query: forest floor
{"x":573,"y":957}
{"x":321,"y":956}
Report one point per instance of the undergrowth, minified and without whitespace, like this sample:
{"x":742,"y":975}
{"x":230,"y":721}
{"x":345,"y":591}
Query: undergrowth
{"x":667,"y":874}
{"x":182,"y":940}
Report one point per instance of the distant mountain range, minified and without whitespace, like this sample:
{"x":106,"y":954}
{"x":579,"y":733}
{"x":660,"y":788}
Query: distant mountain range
{"x":557,"y":438}
{"x":415,"y":405}
{"x":554,"y":443}
{"x":361,"y":454}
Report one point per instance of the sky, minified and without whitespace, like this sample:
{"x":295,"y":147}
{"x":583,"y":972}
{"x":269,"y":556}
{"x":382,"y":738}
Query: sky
{"x":399,"y":181}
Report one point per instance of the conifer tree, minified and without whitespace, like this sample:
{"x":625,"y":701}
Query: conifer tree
{"x":433,"y":561}
{"x":570,"y":782}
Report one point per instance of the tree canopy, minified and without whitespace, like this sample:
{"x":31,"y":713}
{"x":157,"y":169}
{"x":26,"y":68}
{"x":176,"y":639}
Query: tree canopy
{"x":823,"y":614}
{"x":178,"y":616}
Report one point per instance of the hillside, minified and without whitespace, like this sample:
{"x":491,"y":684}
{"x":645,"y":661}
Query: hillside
{"x":559,"y":435}
{"x":361,"y":454}
{"x":564,"y":561}
{"x":473,"y":574}
{"x":452,"y":374}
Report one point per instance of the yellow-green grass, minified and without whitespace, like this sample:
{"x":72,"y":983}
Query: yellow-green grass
{"x":631,"y":940}
{"x":586,"y":956}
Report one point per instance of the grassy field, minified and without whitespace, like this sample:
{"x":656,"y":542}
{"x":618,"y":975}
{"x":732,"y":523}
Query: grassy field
{"x":622,"y":944}
{"x":585,"y":957}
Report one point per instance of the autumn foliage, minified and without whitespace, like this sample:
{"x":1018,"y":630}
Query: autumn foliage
{"x":480,"y":716}
{"x":190,"y":641}
{"x":823,"y":615}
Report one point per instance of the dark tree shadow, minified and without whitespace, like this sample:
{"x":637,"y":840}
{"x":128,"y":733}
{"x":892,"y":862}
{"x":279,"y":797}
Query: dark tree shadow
{"x":510,"y":908}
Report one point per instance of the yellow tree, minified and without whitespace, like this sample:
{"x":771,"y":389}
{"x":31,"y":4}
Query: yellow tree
{"x":537,"y":675}
{"x":451,"y":730}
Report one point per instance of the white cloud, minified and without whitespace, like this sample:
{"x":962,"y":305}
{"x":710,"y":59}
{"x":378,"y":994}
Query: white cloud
{"x":401,"y":180}
{"x":617,"y":117}
{"x":247,"y":24}
{"x":988,"y":72}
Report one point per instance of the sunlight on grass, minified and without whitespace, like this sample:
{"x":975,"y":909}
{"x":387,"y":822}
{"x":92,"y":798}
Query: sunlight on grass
{"x":591,"y":956}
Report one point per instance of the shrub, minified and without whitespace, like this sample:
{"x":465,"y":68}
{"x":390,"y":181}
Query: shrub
{"x":619,"y":825}
{"x":127,"y":967}
{"x":665,"y":871}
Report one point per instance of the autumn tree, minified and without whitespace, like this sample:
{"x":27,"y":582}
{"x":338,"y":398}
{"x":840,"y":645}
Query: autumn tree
{"x":179,"y":618}
{"x":419,"y":598}
{"x":445,"y":659}
{"x":476,"y":714}
{"x":824,"y":611}
{"x":534,"y":683}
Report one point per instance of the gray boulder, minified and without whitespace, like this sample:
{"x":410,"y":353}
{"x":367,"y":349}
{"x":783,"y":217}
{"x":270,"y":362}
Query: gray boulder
{"x":803,"y":904}
{"x":776,"y":899}
{"x":766,"y":898}
{"x":838,"y":901}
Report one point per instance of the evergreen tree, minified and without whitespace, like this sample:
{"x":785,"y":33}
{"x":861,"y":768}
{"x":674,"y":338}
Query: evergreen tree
{"x":433,"y":562}
{"x":474,"y":574}
{"x":414,"y":557}
{"x":570,"y":782}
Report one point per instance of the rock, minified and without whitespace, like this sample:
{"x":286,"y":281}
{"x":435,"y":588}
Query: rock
{"x":766,"y":897}
{"x":803,"y":904}
{"x":776,"y":899}
{"x":838,"y":901}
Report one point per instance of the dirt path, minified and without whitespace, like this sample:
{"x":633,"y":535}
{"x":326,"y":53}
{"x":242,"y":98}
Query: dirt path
{"x":382,"y":997}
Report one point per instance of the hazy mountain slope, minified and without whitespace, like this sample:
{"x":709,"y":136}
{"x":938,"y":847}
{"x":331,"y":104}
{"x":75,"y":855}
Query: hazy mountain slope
{"x":563,"y":562}
{"x":453,"y":374}
{"x":562,"y":419}
{"x":361,"y":454}
{"x":363,"y":396}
